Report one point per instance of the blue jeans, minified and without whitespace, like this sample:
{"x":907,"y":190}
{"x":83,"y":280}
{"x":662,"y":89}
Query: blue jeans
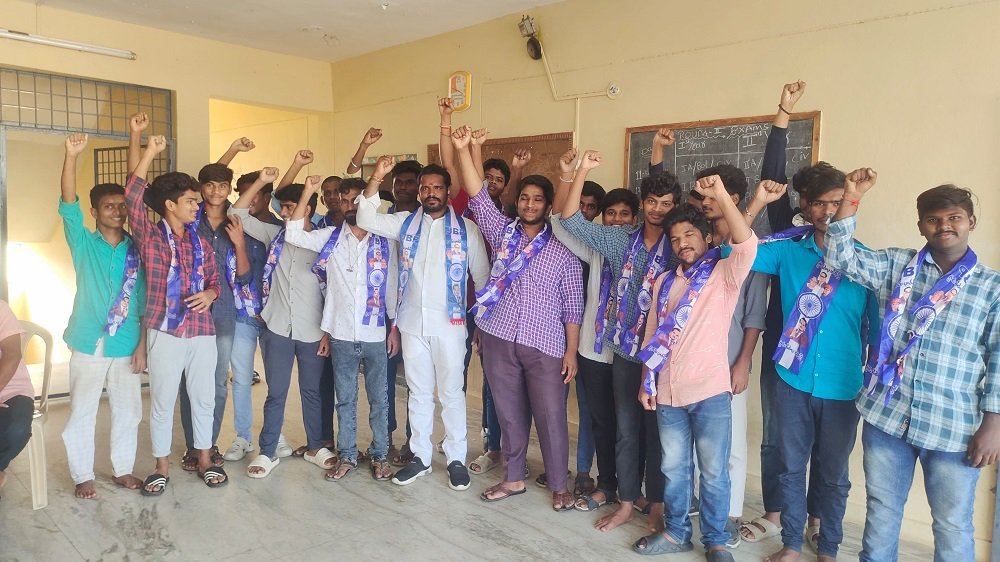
{"x":15,"y":427}
{"x":950,"y":484}
{"x":279,"y":353}
{"x":242,"y":361}
{"x":708,"y":425}
{"x":585,"y":437}
{"x":825,"y":431}
{"x":346,"y":357}
{"x":225,"y":331}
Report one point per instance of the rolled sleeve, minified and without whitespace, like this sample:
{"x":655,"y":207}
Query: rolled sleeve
{"x":991,"y":389}
{"x":571,"y":287}
{"x":755,"y":303}
{"x":865,"y":267}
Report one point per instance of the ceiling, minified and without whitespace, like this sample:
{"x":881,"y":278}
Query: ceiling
{"x":327,"y":30}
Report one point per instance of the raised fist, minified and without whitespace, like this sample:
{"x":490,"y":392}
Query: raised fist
{"x":444,"y":106}
{"x":313,"y":184}
{"x":461,"y":137}
{"x":75,"y":144}
{"x":242,"y":144}
{"x":156,"y":144}
{"x":521,"y":158}
{"x":268,"y":175}
{"x":383,"y":166}
{"x":372,"y":136}
{"x":791,"y":93}
{"x":479,"y":136}
{"x":769,"y":191}
{"x":663,"y":137}
{"x":304,"y":157}
{"x":591,"y":159}
{"x":711,"y":186}
{"x":859,"y":182}
{"x":567,"y":162}
{"x":138,"y":122}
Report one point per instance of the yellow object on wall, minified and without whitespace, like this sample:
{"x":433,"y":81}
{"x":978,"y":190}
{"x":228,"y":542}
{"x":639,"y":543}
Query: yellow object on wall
{"x":460,"y":90}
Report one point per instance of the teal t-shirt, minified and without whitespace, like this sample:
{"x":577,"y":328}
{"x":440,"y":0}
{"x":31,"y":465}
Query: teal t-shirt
{"x":100,"y":270}
{"x":832,"y":368}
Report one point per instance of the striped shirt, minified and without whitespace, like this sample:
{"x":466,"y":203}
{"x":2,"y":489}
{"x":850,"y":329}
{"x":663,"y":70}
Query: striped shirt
{"x":952,"y":375}
{"x":547,"y":295}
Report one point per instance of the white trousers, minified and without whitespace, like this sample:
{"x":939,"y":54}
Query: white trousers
{"x":431,"y":361}
{"x":737,"y":457}
{"x":169,"y":357}
{"x":88,"y":374}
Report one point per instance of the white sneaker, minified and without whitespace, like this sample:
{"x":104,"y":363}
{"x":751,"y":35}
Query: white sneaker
{"x":283,"y":450}
{"x":238,"y":449}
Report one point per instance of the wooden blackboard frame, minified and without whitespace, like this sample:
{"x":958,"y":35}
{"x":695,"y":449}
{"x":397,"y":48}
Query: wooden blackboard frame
{"x":815,"y":116}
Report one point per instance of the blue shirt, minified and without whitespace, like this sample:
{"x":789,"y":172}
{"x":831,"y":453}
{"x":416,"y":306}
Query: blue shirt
{"x":832,"y":368}
{"x":224,"y":308}
{"x":100,"y":270}
{"x":257,"y":252}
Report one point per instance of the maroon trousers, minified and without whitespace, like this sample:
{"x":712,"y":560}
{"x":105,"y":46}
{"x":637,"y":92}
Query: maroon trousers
{"x":526,"y":384}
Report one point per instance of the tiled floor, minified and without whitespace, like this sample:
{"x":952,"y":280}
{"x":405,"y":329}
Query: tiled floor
{"x":296,"y":514}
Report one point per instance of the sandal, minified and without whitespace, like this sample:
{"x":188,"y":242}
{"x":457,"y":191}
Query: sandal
{"x":507,"y":492}
{"x":657,"y":543}
{"x":155,"y":479}
{"x":214,"y":472}
{"x":299,"y":452}
{"x":588,"y":503}
{"x":334,"y":475}
{"x":483,"y":464}
{"x":758,"y":529}
{"x":562,"y":501}
{"x":584,"y":485}
{"x":403,"y":457}
{"x":812,"y":537}
{"x":264,"y":462}
{"x":381,"y":470}
{"x":324,"y":458}
{"x":189,"y":462}
{"x":216,"y":456}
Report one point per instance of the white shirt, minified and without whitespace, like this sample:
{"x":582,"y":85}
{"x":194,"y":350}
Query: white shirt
{"x":294,"y":308}
{"x":424,"y":310}
{"x":347,"y":281}
{"x":590,"y":256}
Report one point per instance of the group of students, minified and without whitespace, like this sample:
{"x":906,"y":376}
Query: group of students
{"x":656,"y":311}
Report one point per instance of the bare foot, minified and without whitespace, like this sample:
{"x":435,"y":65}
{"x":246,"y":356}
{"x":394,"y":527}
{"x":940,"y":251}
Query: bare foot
{"x":784,"y":555}
{"x":621,"y":516}
{"x":654,"y":521}
{"x":85,"y":490}
{"x":3,"y":479}
{"x":127,"y":481}
{"x":825,"y":558}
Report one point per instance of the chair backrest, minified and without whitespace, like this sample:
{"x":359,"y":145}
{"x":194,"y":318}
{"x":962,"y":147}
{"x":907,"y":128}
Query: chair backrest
{"x":34,"y":330}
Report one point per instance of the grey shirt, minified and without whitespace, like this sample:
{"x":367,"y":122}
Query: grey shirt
{"x":750,"y":311}
{"x":294,"y":308}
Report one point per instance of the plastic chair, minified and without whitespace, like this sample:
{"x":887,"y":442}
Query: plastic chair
{"x":36,"y":446}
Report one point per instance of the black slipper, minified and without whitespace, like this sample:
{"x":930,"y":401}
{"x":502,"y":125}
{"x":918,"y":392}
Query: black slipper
{"x":155,"y":479}
{"x":214,"y":471}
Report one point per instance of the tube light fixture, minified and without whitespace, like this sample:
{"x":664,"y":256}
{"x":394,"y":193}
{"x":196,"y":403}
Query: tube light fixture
{"x":66,"y":44}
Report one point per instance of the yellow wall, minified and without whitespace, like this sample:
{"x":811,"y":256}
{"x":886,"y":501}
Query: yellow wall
{"x":196,"y":69}
{"x":906,"y":87}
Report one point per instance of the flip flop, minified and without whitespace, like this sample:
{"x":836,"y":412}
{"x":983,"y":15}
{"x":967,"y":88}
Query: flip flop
{"x":262,"y":461}
{"x":155,"y":479}
{"x":812,"y":537}
{"x":214,"y":471}
{"x":750,"y":531}
{"x":300,"y":451}
{"x":483,"y":464}
{"x":189,"y":462}
{"x":331,"y":475}
{"x":507,"y":492}
{"x":320,"y":458}
{"x":659,"y":544}
{"x":588,"y":503}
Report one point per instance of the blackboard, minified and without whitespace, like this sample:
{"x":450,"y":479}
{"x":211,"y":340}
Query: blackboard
{"x":740,"y":142}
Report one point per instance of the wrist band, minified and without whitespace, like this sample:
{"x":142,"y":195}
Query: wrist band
{"x":564,"y":180}
{"x":783,"y":110}
{"x":355,"y":165}
{"x":852,"y":201}
{"x":375,"y":179}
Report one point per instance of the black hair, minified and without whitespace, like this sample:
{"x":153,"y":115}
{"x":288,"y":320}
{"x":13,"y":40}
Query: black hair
{"x":407,"y":167}
{"x":429,"y":170}
{"x":543,"y":182}
{"x":351,"y":184}
{"x":812,"y":182}
{"x":168,"y":187}
{"x":944,"y":197}
{"x":593,"y":189}
{"x":620,"y":195}
{"x":247,"y":179}
{"x":332,"y":178}
{"x":293,"y":193}
{"x":215,"y":172}
{"x":732,"y":177}
{"x":687,"y":213}
{"x":658,"y":185}
{"x":498,"y":164}
{"x":102,"y":190}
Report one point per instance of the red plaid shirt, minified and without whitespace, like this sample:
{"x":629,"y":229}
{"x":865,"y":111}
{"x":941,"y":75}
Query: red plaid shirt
{"x":155,"y":252}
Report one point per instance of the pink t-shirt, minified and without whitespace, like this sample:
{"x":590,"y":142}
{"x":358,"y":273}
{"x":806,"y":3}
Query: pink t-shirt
{"x":698,"y":367}
{"x":20,"y":384}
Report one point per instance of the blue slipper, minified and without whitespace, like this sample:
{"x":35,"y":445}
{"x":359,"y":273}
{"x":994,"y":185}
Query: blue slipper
{"x":657,"y":543}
